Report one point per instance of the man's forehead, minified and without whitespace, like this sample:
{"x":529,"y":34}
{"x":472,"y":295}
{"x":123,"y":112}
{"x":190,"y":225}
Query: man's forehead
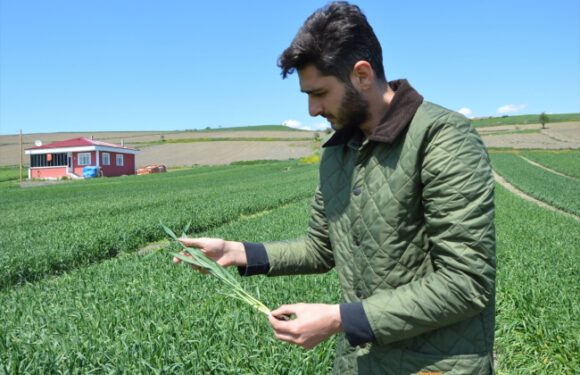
{"x":311,"y":79}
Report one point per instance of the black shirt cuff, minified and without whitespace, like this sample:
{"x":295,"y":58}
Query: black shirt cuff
{"x":356,"y":324}
{"x":257,"y":260}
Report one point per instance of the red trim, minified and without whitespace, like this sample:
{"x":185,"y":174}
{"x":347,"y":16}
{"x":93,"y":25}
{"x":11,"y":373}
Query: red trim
{"x":78,"y":142}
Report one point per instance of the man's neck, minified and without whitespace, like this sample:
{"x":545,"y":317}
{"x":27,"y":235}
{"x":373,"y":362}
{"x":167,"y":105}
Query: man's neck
{"x":379,"y":101}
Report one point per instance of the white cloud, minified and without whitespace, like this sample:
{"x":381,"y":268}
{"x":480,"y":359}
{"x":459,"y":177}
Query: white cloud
{"x":292,"y":124}
{"x":511,"y":108}
{"x":295,"y":124}
{"x":320,"y":126}
{"x":467,"y":112}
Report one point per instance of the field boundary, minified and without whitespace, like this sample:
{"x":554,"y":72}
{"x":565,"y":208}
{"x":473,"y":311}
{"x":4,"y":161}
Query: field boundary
{"x":503,"y":182}
{"x":535,"y":164}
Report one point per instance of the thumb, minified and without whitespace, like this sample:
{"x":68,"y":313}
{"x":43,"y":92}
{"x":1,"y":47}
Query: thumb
{"x":284,"y":311}
{"x":193,"y":242}
{"x":222,"y":262}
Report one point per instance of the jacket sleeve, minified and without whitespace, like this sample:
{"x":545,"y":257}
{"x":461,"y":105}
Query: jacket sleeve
{"x":458,"y":202}
{"x":311,"y":254}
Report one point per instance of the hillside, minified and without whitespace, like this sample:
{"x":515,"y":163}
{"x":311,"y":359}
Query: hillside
{"x":524,"y":119}
{"x":187,"y":147}
{"x":224,"y":146}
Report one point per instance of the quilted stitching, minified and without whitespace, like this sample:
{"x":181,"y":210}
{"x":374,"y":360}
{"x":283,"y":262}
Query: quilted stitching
{"x":391,"y":219}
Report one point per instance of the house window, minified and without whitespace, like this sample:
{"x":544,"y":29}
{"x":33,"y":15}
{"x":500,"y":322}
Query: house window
{"x":120,"y":161}
{"x":85,"y":158}
{"x":48,"y":160}
{"x":106,"y":158}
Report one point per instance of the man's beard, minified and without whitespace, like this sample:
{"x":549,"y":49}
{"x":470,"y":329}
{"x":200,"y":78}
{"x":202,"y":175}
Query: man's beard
{"x":354,"y":109}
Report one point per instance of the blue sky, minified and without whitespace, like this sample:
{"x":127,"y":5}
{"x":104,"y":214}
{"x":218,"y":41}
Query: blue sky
{"x":100,"y":65}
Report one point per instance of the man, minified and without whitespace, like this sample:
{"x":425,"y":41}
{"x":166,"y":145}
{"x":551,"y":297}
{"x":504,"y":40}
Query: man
{"x":404,"y":211}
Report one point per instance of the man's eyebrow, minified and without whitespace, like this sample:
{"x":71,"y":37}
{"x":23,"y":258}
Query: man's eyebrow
{"x":311,"y":91}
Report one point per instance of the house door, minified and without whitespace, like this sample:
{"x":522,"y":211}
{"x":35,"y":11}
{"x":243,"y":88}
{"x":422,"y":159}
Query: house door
{"x":69,"y":166}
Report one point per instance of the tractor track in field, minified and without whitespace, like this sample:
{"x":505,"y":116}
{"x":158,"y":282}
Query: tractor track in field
{"x":158,"y":245}
{"x":503,"y":182}
{"x":546,"y":168}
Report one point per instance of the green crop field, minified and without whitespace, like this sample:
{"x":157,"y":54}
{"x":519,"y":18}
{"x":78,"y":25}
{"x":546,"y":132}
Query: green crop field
{"x":9,"y":174}
{"x":563,"y":161}
{"x":559,"y":191}
{"x":524,"y":119}
{"x":142,"y":314}
{"x":81,"y":299}
{"x":48,"y":230}
{"x":537,"y":307}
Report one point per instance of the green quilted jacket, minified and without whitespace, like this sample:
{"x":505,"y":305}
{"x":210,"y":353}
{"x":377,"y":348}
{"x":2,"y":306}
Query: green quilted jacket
{"x":406,"y":217}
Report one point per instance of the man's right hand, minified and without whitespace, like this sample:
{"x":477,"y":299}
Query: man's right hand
{"x":225,"y":253}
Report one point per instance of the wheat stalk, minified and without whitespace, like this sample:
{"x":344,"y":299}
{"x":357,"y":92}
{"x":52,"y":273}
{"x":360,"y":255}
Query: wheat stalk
{"x":199,"y":259}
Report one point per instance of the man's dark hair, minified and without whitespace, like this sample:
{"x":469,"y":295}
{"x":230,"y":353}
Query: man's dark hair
{"x":333,"y":39}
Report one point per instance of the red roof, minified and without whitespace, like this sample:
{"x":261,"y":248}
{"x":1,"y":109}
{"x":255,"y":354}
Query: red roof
{"x":78,"y":142}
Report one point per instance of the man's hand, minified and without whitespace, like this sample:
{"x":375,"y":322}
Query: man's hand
{"x":312,"y":323}
{"x":225,"y":253}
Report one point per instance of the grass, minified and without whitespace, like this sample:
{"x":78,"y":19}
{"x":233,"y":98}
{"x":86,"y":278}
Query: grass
{"x":559,"y":191}
{"x":524,"y":119}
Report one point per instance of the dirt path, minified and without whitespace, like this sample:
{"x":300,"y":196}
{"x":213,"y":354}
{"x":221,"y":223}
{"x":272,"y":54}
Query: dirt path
{"x":503,"y":182}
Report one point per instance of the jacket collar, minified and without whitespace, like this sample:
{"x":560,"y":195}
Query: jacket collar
{"x":399,"y":114}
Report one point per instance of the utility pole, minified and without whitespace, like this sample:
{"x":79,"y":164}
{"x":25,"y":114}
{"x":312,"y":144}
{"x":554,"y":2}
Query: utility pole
{"x":20,"y":175}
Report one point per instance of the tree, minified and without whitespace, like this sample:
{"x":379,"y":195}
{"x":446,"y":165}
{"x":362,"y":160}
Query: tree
{"x":544,"y":119}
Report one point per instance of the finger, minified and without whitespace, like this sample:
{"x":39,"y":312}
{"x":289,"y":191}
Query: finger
{"x":287,"y":310}
{"x":280,"y":326}
{"x":285,"y":337}
{"x":283,"y":318}
{"x":178,"y":260}
{"x":192,"y":242}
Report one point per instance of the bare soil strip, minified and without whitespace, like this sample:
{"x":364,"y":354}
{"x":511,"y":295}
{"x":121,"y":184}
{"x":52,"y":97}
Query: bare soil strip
{"x":503,"y":182}
{"x":546,"y":168}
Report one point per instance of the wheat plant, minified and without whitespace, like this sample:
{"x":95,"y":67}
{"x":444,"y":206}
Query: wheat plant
{"x":199,"y":259}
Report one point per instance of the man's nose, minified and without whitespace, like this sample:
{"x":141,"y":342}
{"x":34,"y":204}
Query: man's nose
{"x":314,"y":107}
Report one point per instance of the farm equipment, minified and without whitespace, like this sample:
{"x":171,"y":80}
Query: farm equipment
{"x":152,"y":168}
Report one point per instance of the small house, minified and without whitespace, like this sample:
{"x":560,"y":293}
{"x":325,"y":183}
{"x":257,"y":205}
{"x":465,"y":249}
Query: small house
{"x":68,"y":158}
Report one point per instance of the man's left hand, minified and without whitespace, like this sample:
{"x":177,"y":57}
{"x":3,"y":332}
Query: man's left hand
{"x":309,"y":324}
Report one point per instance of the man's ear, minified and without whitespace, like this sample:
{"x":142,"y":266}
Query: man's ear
{"x":362,"y":76}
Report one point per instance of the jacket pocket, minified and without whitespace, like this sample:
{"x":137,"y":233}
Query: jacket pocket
{"x":437,"y":364}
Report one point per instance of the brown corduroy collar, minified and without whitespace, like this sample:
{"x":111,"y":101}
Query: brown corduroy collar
{"x":399,"y":114}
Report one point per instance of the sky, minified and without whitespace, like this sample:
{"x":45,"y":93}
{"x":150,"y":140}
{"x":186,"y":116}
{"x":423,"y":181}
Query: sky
{"x":106,"y":65}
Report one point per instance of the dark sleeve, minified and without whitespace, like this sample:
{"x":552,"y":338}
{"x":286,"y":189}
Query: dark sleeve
{"x":257,"y":260}
{"x":355,"y":324}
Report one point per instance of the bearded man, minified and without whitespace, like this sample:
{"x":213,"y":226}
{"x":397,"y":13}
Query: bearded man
{"x":404,"y":212}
